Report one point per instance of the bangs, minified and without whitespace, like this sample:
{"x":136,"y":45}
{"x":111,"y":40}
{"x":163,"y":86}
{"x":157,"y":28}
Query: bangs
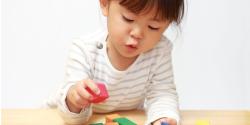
{"x":171,"y":10}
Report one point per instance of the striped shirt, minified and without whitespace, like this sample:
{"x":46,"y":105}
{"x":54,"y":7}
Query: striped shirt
{"x":147,"y":83}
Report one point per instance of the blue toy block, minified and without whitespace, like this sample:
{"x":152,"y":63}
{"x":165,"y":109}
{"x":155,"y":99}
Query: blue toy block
{"x":164,"y":123}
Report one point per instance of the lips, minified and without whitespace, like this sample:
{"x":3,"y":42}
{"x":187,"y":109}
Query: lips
{"x":131,"y":48}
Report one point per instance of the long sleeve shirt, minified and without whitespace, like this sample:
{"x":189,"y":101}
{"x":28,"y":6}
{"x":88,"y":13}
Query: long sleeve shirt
{"x":148,"y":82}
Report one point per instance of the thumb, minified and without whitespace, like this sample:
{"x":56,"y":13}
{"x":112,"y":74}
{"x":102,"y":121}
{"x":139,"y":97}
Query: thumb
{"x":171,"y":121}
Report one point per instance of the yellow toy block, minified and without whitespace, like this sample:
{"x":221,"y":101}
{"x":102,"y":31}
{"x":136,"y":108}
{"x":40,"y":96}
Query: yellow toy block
{"x":202,"y":122}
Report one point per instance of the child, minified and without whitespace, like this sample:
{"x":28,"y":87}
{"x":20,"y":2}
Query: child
{"x":132,"y":58}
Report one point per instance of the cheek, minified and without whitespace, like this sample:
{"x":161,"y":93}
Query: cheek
{"x":118,"y":29}
{"x":119,"y":24}
{"x":151,"y":40}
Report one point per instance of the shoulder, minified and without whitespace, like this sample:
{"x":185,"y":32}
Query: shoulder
{"x":163,"y":47}
{"x":160,"y":54}
{"x":89,"y":42}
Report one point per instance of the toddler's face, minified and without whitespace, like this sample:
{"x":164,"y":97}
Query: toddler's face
{"x":131,"y":34}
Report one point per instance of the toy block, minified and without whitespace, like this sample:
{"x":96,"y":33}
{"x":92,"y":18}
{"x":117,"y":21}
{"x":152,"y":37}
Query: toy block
{"x":111,"y":123}
{"x":164,"y":123}
{"x":202,"y":122}
{"x":102,"y":96}
{"x":124,"y":121}
{"x":110,"y":118}
{"x":96,"y":124}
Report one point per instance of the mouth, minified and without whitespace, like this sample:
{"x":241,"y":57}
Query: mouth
{"x":131,"y":47}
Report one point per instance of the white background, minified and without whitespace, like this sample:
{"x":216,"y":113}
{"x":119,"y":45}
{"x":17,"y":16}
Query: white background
{"x":211,"y":57}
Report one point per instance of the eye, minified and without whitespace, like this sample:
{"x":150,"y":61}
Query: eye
{"x":127,"y":19}
{"x":153,"y":28}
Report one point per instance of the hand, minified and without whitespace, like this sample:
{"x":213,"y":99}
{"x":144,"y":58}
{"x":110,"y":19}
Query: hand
{"x":78,"y":97}
{"x":170,"y":121}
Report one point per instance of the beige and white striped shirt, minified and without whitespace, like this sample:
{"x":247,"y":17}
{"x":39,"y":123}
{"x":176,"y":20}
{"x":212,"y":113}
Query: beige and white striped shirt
{"x":148,"y":82}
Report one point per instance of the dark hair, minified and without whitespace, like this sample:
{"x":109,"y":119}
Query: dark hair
{"x":172,"y":10}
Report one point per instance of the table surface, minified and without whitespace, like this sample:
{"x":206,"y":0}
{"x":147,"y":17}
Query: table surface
{"x":51,"y":117}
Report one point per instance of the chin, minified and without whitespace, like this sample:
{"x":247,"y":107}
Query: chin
{"x":131,"y":56}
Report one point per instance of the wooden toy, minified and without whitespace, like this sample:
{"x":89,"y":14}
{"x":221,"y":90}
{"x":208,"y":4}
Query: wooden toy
{"x":124,"y":121}
{"x":164,"y":123}
{"x":202,"y":122}
{"x":102,"y":96}
{"x":110,"y":118}
{"x":97,"y":124}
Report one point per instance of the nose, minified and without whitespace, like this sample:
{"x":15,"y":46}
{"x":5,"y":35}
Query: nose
{"x":137,"y":33}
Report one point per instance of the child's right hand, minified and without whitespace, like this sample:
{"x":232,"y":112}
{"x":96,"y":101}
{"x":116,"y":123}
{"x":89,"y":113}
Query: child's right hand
{"x":78,"y":97}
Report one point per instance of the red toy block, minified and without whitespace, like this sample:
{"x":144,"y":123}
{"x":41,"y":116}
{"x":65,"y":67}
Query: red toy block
{"x":102,"y":96}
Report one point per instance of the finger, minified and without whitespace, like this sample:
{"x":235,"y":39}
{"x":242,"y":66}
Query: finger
{"x":171,"y":121}
{"x":76,"y":100}
{"x":92,"y":86}
{"x":82,"y":103}
{"x":83,"y":92}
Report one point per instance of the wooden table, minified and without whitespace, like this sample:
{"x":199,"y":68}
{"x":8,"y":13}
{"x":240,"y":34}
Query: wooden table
{"x":51,"y":117}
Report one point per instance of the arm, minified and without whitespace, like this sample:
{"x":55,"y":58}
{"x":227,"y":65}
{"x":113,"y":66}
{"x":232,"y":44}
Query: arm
{"x":162,"y":99}
{"x":77,"y":69}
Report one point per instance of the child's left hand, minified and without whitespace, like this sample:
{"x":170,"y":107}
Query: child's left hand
{"x":170,"y":121}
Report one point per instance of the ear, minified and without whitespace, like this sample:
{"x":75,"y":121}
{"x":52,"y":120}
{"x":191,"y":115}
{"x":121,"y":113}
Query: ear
{"x":104,"y":6}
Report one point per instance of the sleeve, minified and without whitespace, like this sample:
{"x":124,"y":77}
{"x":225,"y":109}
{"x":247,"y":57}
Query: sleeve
{"x":161,"y":98}
{"x":78,"y":68}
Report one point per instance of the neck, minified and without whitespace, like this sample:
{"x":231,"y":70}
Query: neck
{"x":117,"y":60}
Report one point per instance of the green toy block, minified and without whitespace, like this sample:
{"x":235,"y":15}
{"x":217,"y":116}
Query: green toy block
{"x":96,"y":124}
{"x":124,"y":121}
